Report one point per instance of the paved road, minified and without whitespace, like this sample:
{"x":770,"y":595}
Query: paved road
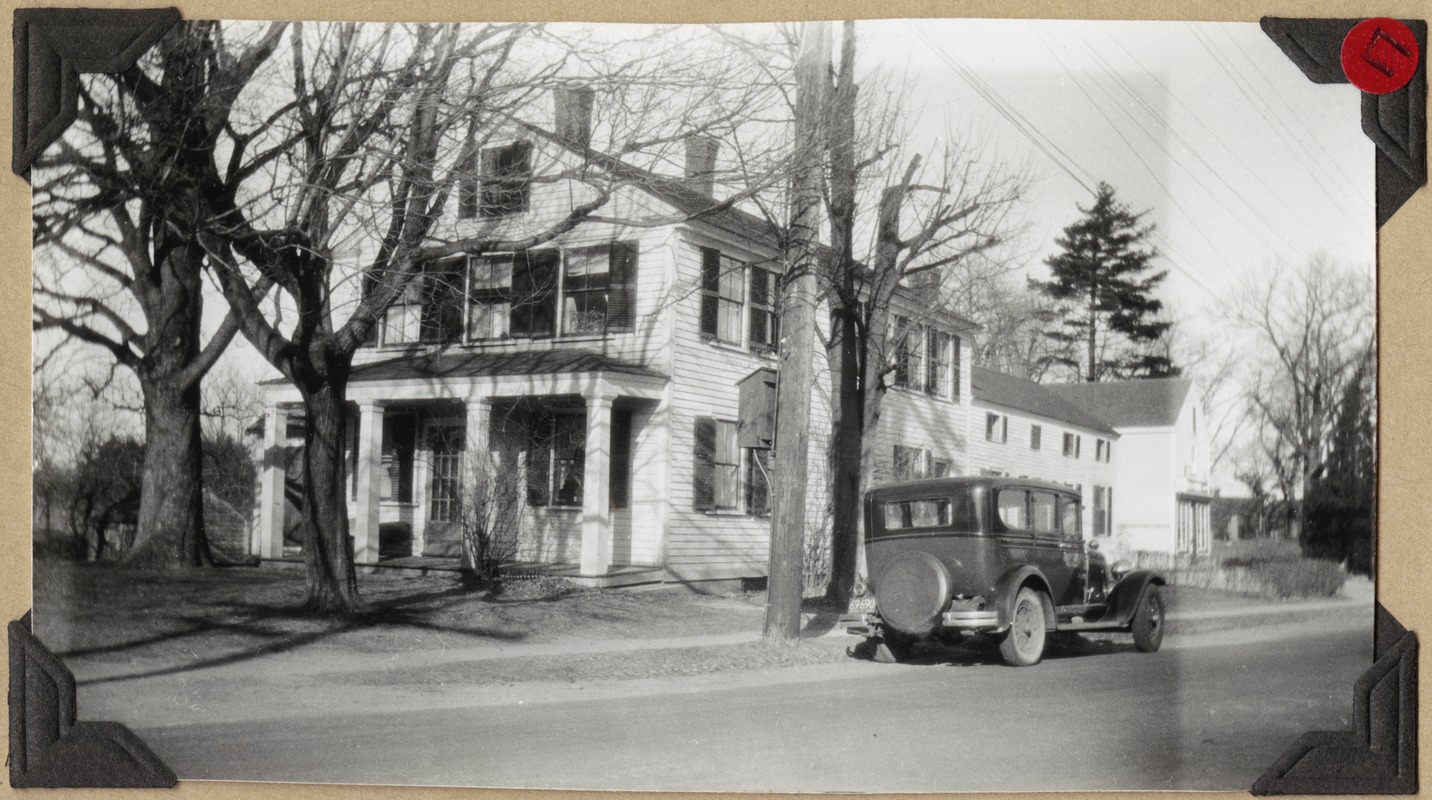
{"x":1207,"y":712}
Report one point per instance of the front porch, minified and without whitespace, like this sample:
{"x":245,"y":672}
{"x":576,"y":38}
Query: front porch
{"x":563,"y":468}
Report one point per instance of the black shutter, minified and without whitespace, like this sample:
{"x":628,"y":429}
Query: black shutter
{"x":534,"y":289}
{"x":955,"y":365}
{"x":489,"y":185}
{"x":710,"y":292}
{"x":467,"y":186}
{"x":619,"y":481}
{"x":621,"y":297}
{"x":517,"y":177}
{"x":703,"y":466}
{"x":758,"y":281}
{"x":932,"y":362}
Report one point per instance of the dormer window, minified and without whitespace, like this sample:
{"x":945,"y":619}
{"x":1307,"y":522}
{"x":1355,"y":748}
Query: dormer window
{"x":501,"y":184}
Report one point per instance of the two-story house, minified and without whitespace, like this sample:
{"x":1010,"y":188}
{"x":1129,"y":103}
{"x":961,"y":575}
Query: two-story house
{"x":598,"y":371}
{"x":1161,"y":502}
{"x":1025,"y":429}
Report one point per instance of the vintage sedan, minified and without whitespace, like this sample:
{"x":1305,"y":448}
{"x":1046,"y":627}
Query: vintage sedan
{"x":1000,"y":557}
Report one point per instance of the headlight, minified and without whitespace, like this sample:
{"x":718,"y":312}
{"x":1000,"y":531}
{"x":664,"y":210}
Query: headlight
{"x":859,"y":589}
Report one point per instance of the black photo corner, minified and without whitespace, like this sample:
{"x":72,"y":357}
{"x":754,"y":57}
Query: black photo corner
{"x":49,"y":748}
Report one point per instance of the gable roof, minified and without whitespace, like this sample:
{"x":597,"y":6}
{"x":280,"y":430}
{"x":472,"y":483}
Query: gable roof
{"x":1007,"y":391}
{"x":1154,"y":402}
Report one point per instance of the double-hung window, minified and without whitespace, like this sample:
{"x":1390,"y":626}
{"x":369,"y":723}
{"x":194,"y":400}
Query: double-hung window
{"x":1101,"y":450}
{"x":490,"y":297}
{"x":764,"y":326}
{"x":1072,"y":444}
{"x":912,"y":463}
{"x":556,"y":457}
{"x":723,"y":293}
{"x":1036,"y":432}
{"x":996,"y":428}
{"x":500,"y":186}
{"x":909,"y":341}
{"x":716,"y":473}
{"x":938,"y":363}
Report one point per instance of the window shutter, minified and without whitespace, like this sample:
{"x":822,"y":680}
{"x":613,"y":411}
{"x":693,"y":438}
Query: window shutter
{"x":710,"y":292}
{"x":955,"y":365}
{"x":467,"y":187}
{"x":489,"y":193}
{"x":757,"y":279}
{"x":518,"y":175}
{"x":534,"y":289}
{"x":619,"y":482}
{"x":703,"y":467}
{"x":621,"y":297}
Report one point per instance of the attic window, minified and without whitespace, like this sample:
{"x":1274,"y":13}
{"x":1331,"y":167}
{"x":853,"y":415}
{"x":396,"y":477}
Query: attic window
{"x":501,"y":184}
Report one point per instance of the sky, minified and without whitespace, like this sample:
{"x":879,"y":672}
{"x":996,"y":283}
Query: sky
{"x":1241,"y":161}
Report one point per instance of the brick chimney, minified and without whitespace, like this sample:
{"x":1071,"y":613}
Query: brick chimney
{"x":572,"y":121}
{"x":701,"y":163}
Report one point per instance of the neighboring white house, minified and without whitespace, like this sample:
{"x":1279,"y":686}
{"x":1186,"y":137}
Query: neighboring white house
{"x":1161,"y":475}
{"x":1023,"y":429}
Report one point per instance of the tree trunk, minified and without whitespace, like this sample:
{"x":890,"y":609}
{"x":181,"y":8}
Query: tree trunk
{"x":171,"y":504}
{"x":171,"y":501}
{"x":847,"y":414}
{"x":327,"y":550}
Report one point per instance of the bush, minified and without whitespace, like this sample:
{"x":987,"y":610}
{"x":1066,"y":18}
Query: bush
{"x":1270,"y":568}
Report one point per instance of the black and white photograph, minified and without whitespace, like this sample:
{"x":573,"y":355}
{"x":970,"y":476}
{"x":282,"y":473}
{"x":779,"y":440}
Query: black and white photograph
{"x":899,"y":405}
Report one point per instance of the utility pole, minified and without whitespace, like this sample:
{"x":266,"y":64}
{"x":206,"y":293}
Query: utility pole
{"x":797,"y":376}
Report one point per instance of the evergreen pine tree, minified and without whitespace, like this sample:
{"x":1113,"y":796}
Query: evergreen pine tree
{"x":1108,"y":320}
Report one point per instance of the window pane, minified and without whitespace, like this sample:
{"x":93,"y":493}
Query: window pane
{"x":585,"y":312}
{"x":1069,"y":510}
{"x":402,"y":324}
{"x":1011,"y":509}
{"x":903,"y":514}
{"x":494,"y":272}
{"x":488,"y":320}
{"x":1045,"y":506}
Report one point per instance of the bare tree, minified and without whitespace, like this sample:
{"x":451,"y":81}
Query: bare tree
{"x":1313,"y":328}
{"x":928,"y":227}
{"x":492,"y":502}
{"x":301,"y":139}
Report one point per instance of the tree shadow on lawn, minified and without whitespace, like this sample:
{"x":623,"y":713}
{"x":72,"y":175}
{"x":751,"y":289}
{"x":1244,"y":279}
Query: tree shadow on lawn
{"x":273,"y":625}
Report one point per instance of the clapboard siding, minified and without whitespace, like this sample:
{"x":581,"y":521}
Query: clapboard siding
{"x":1017,"y":458}
{"x":704,"y":384}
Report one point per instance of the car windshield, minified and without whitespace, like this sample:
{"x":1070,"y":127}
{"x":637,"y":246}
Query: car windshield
{"x":955,"y":510}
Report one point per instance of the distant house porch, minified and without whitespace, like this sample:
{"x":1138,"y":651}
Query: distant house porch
{"x":576,"y":441}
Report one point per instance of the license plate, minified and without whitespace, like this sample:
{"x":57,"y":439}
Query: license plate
{"x":862,"y":605}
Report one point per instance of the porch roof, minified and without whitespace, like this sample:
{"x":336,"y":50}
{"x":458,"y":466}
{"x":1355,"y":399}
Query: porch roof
{"x":488,"y":364}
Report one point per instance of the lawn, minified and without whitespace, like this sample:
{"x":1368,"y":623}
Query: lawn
{"x":133,"y":621}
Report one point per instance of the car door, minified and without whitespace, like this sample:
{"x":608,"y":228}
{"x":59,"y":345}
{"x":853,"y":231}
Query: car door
{"x":1048,"y":550}
{"x":1075,"y":556}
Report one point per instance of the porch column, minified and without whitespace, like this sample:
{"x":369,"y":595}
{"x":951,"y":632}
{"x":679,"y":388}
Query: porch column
{"x":370,"y":483}
{"x":271,"y":483}
{"x":476,"y":463}
{"x":596,"y":494}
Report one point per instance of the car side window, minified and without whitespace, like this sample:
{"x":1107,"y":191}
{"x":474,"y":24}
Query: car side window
{"x":1045,"y":511}
{"x":1013,"y":509}
{"x":1069,"y":514}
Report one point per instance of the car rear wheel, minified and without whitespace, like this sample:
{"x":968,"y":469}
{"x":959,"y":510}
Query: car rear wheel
{"x":1023,"y":644}
{"x":1149,"y":621}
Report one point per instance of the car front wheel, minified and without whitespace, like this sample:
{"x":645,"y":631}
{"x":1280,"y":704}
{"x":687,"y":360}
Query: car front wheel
{"x":1149,"y":621}
{"x":1023,"y":644}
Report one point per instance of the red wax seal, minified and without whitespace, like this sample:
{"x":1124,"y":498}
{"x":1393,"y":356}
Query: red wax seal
{"x":1379,"y":55}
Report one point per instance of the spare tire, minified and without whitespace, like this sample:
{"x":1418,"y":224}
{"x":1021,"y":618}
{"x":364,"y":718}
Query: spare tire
{"x":912,"y":591}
